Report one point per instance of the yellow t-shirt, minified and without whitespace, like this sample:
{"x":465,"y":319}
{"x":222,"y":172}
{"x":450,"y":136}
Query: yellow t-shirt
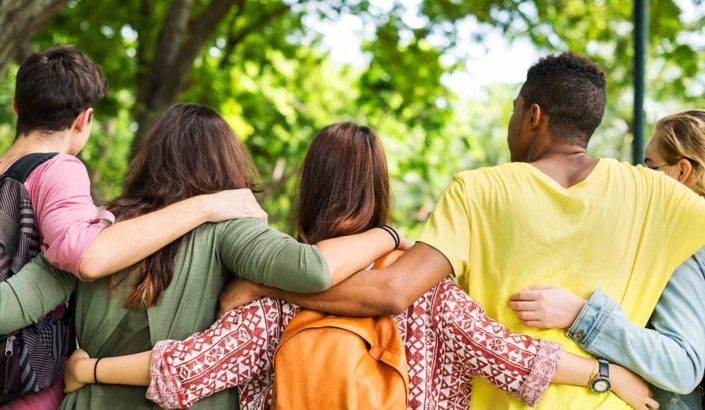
{"x":623,"y":229}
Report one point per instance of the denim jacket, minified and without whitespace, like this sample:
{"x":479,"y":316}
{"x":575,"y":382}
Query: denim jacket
{"x":670,"y":353}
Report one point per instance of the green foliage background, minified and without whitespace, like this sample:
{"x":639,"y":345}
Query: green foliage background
{"x":277,"y":87}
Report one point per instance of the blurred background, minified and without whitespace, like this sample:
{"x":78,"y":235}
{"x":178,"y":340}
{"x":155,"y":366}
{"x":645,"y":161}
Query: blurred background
{"x":435,"y":78}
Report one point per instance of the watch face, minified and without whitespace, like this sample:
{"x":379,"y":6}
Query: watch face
{"x":600,"y":385}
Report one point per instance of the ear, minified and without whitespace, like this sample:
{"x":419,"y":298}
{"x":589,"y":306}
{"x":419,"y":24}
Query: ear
{"x":14,"y":105}
{"x":535,"y":118}
{"x":83,"y":119}
{"x":685,"y":170}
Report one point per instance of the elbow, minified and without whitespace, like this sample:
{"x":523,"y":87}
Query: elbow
{"x":684,"y":382}
{"x":395,"y":299}
{"x":91,"y":269}
{"x":682,"y":386}
{"x":318,"y":283}
{"x":685,"y":377}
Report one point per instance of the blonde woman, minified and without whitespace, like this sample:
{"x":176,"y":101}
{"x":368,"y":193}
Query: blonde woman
{"x":670,"y":353}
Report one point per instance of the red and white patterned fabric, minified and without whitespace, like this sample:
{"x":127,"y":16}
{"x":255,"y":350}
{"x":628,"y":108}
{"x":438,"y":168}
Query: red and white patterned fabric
{"x":448,"y":338}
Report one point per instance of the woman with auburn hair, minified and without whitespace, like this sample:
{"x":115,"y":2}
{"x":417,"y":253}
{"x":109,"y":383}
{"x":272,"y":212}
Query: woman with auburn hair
{"x":344,"y":190}
{"x":670,"y":352}
{"x":174,"y":292}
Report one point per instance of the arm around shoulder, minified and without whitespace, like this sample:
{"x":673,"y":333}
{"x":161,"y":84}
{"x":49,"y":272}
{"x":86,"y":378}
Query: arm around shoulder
{"x":127,"y":242}
{"x":390,"y":290}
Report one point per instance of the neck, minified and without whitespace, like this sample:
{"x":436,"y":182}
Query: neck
{"x":555,"y":152}
{"x":36,"y":141}
{"x":564,"y":163}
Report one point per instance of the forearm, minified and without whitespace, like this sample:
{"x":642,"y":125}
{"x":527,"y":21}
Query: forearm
{"x":661,"y":360}
{"x":666,"y":357}
{"x":127,"y":242}
{"x":32,"y":293}
{"x":361,"y":295}
{"x":380,"y":291}
{"x":573,"y":370}
{"x":132,"y":370}
{"x":349,"y":254}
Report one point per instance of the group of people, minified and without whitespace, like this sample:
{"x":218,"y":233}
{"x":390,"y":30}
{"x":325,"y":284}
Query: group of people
{"x":557,"y":281}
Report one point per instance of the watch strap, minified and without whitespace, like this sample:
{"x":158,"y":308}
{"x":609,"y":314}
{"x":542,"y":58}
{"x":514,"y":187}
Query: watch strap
{"x":604,"y":368}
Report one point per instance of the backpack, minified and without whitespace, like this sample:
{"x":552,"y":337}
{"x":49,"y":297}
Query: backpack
{"x":331,"y":362}
{"x":31,"y":359}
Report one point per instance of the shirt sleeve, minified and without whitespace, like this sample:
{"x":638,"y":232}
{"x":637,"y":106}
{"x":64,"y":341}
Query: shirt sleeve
{"x":670,"y":356}
{"x":517,"y":364}
{"x":448,"y":228}
{"x":258,"y":253}
{"x":237,"y":348}
{"x":29,"y":295}
{"x":67,"y":218}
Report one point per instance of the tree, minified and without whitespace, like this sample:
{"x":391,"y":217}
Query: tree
{"x":183,"y":35}
{"x":19,"y":20}
{"x":257,"y":63}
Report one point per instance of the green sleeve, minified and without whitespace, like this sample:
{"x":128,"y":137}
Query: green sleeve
{"x":258,"y":253}
{"x":37,"y":289}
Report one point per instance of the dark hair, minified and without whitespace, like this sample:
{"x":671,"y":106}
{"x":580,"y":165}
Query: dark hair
{"x":53,"y":87}
{"x":344,"y":184}
{"x":572,"y":90}
{"x":190,"y":151}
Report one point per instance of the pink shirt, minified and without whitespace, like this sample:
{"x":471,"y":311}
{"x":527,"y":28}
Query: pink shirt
{"x":68,"y":222}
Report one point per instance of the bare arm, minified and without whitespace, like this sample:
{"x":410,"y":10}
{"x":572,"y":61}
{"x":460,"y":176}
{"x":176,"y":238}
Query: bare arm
{"x":367,"y":293}
{"x":132,"y":370}
{"x":127,"y":242}
{"x":342,"y":263}
{"x":628,"y":386}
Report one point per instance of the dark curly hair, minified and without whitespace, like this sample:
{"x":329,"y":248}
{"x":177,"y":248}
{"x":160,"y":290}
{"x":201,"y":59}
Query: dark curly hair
{"x":53,"y":87}
{"x":572,"y":91}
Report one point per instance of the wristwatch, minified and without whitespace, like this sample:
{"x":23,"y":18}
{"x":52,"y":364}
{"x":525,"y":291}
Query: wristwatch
{"x":600,"y":383}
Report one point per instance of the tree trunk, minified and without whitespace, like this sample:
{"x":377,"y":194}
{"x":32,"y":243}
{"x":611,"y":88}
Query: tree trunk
{"x":19,"y":20}
{"x":180,"y":41}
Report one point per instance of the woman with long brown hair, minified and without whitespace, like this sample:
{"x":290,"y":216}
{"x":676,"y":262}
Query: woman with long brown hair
{"x":447,"y":336}
{"x":174,"y":292}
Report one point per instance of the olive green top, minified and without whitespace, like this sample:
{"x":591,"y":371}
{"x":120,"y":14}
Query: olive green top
{"x":201,"y":267}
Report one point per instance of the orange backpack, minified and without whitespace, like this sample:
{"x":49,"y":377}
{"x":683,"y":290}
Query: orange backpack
{"x":332,"y":362}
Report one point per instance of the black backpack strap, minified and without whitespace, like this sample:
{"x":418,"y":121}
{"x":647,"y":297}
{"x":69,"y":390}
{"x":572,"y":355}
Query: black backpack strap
{"x":24,"y":166}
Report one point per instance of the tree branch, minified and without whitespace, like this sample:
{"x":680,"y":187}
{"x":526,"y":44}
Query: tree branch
{"x":19,"y":20}
{"x":236,"y":37}
{"x":168,"y":46}
{"x":203,"y":28}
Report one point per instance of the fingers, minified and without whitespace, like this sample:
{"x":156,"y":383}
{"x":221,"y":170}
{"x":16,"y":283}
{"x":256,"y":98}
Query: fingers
{"x":522,"y":305}
{"x":651,"y":403}
{"x":535,"y":323}
{"x":528,"y":315}
{"x":526,"y":295}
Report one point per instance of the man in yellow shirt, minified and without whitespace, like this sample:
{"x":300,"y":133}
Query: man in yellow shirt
{"x":554,"y":215}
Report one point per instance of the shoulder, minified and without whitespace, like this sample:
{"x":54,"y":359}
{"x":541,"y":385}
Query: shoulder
{"x":238,"y":229}
{"x":487,"y":182}
{"x":242,"y":224}
{"x":512,"y":168}
{"x":62,"y":168}
{"x":62,"y":162}
{"x":638,"y":172}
